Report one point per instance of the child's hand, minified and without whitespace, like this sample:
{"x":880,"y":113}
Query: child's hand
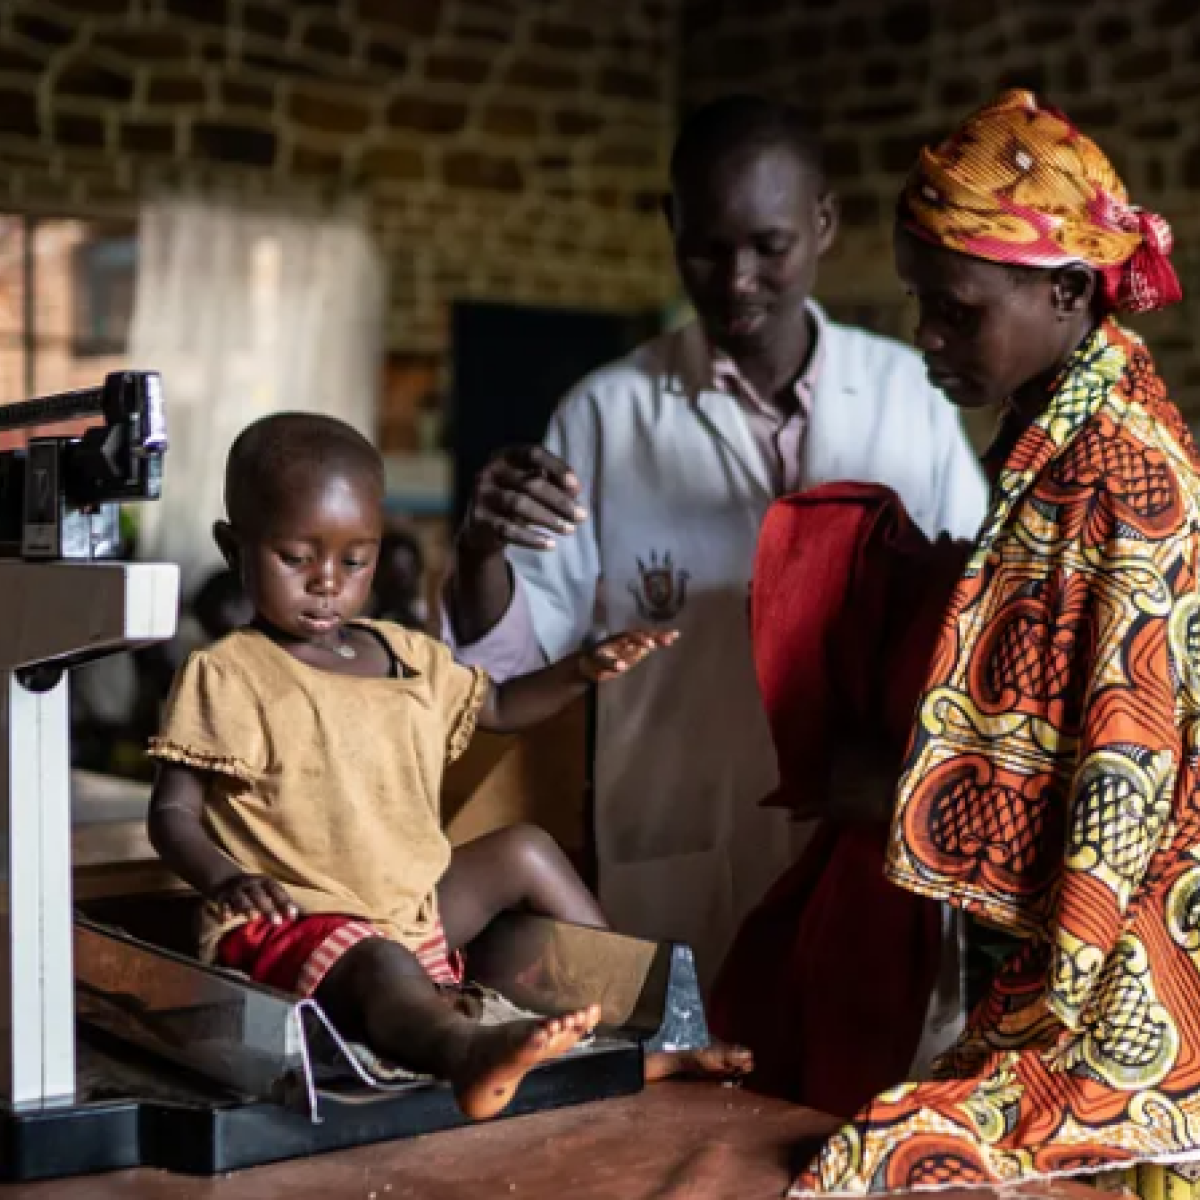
{"x":616,"y":655}
{"x":254,"y":896}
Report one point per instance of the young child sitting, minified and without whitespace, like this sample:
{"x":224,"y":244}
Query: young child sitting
{"x":397,"y":594}
{"x":300,"y":763}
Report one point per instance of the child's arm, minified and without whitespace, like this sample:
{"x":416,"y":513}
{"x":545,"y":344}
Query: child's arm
{"x":178,"y":834}
{"x":529,"y":699}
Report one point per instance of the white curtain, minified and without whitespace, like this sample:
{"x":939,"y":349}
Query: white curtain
{"x":245,"y":311}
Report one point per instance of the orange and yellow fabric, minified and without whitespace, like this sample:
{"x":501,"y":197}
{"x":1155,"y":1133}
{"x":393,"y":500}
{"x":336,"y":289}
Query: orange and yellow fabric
{"x":1052,"y":784}
{"x":1018,"y":183}
{"x":1052,"y":789}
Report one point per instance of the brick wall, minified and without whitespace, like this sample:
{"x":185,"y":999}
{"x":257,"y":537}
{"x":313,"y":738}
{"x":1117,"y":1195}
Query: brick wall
{"x":509,"y":150}
{"x":884,"y":76}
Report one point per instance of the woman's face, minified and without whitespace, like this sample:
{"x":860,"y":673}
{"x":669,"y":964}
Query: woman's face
{"x":986,"y":330}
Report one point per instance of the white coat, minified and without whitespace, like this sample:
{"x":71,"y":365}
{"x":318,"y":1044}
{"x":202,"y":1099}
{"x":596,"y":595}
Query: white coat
{"x":677,"y":488}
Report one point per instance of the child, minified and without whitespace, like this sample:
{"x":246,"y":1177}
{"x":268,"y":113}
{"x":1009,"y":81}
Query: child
{"x":399,"y":578}
{"x":300,"y":766}
{"x":221,"y":605}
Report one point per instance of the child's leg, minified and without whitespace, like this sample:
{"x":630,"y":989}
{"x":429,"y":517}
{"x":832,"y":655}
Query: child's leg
{"x":717,"y":1060}
{"x":521,"y":867}
{"x":378,"y":993}
{"x":524,"y":867}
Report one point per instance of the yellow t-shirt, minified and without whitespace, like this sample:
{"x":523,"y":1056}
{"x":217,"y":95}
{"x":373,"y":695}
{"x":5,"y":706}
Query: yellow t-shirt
{"x":327,"y":783}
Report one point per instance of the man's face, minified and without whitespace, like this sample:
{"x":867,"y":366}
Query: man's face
{"x":749,"y":227}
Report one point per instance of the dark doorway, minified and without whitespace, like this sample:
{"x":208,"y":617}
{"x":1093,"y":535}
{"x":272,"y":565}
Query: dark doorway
{"x":512,"y":365}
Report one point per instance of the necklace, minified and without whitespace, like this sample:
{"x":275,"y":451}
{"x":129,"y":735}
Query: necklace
{"x":343,"y":648}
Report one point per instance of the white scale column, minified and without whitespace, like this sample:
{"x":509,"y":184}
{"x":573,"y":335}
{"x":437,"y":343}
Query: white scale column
{"x":48,"y":614}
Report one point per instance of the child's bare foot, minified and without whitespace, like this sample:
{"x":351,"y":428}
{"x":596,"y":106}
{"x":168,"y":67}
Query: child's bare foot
{"x":717,"y":1060}
{"x":500,"y":1056}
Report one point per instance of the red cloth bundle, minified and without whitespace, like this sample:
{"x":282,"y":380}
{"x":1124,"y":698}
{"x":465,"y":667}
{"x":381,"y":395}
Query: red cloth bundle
{"x":830,"y":977}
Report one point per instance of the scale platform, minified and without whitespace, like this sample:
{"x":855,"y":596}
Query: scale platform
{"x":137,"y":1112}
{"x":190,"y":1069}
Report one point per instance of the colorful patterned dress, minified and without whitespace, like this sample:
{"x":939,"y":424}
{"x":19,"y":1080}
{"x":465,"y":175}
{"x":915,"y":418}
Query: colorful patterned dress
{"x":1052,"y":792}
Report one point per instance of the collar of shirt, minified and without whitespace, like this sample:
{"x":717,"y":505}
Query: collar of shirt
{"x":726,"y":377}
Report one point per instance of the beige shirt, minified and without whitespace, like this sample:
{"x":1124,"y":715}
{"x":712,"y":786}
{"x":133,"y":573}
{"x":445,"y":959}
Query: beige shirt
{"x":327,"y":783}
{"x":778,"y":432}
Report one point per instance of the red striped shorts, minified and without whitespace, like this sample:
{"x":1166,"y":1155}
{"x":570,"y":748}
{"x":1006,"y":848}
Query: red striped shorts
{"x":296,"y":956}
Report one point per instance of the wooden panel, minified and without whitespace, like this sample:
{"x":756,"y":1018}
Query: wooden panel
{"x":538,"y":777}
{"x":125,"y":879}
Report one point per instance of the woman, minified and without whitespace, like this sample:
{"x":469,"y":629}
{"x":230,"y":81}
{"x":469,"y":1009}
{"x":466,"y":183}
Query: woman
{"x":1052,"y":784}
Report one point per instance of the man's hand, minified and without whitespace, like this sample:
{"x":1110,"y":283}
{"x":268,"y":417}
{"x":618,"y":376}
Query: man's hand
{"x":617,"y":655}
{"x":252,"y":896}
{"x":524,"y":497}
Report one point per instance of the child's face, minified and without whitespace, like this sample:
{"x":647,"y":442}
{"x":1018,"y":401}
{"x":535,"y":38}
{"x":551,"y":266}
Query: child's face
{"x":311,"y":568}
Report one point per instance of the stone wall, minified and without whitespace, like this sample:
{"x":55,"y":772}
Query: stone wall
{"x":885,"y":76}
{"x":508,"y":150}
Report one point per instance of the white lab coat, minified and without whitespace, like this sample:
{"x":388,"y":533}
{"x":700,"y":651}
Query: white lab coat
{"x":675,"y":484}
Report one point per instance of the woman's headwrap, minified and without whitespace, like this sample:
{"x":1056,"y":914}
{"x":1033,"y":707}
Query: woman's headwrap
{"x":1019,"y":184}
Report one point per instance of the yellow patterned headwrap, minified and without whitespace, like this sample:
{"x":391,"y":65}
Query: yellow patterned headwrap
{"x":1018,"y":183}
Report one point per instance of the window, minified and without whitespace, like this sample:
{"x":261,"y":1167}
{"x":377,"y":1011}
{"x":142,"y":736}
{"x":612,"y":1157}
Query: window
{"x":101,"y":277}
{"x":66,"y":303}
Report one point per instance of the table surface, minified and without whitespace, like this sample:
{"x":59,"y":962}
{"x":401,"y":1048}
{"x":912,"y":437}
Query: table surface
{"x":675,"y":1141}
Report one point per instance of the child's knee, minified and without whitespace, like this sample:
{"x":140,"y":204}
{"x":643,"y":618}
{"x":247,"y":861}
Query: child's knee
{"x":532,"y":849}
{"x":368,"y":972}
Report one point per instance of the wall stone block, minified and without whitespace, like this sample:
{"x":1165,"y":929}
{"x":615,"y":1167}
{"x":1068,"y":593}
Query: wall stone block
{"x":878,"y":76}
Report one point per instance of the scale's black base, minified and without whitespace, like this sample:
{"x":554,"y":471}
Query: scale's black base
{"x":178,"y":1123}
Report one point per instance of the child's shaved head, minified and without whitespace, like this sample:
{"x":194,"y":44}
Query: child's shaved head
{"x":276,"y":457}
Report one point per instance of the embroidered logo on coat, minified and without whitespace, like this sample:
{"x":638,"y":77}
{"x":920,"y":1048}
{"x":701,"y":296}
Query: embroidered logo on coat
{"x":661,"y":590}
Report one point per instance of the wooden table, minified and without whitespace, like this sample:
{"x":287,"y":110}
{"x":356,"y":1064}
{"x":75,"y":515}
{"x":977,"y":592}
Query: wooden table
{"x":675,"y":1141}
